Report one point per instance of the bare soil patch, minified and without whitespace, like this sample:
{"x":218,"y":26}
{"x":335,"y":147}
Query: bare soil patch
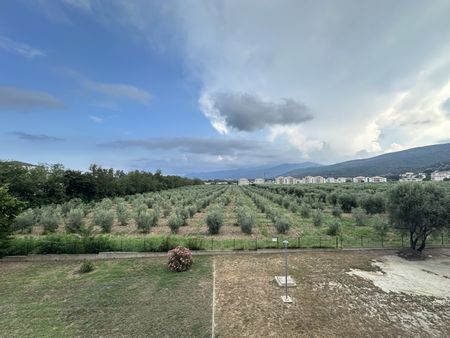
{"x":328,"y":302}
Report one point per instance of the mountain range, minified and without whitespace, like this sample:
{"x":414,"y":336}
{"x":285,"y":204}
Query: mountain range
{"x":427,"y":158}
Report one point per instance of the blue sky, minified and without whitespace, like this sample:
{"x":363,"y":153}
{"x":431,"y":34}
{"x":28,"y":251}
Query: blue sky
{"x":205,"y":85}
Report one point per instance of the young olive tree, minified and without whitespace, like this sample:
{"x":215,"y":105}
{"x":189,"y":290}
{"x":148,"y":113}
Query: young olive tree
{"x":420,"y":209}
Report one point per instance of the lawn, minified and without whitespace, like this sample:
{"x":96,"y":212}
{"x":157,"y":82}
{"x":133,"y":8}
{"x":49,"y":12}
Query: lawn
{"x":123,"y":298}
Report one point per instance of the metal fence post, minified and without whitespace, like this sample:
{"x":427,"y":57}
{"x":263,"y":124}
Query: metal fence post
{"x":256,"y":243}
{"x":277,"y":242}
{"x":234,"y":243}
{"x":402,"y":240}
{"x":382,"y":241}
{"x":442,"y":238}
{"x":320,"y":241}
{"x":362,"y":242}
{"x":212,"y":243}
{"x":337,"y":243}
{"x":298,"y":242}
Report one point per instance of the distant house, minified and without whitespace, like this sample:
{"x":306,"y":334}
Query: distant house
{"x":440,"y":175}
{"x":318,"y":179}
{"x":377,"y":179}
{"x":243,"y":181}
{"x":330,"y":180}
{"x":360,"y":179}
{"x":309,"y":179}
{"x":412,"y":177}
{"x":279,"y":180}
{"x":259,"y":181}
{"x":299,"y":180}
{"x":288,"y":180}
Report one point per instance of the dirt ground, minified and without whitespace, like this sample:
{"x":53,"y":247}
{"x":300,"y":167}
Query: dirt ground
{"x":329,"y":300}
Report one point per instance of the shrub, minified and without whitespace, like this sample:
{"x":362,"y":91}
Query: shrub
{"x":359,"y":215}
{"x":334,"y":229}
{"x":50,"y":219}
{"x":305,"y":210}
{"x":246,"y":219}
{"x":380,"y":226}
{"x":332,"y":198}
{"x":180,"y":259}
{"x":214,"y":221}
{"x":317,"y":218}
{"x":123,"y":215}
{"x":86,"y":266}
{"x":374,"y":204}
{"x":75,"y":220}
{"x":24,"y":222}
{"x":145,"y":220}
{"x":347,"y":202}
{"x":103,"y":218}
{"x":336,"y":211}
{"x":282,"y":224}
{"x":175,"y":222}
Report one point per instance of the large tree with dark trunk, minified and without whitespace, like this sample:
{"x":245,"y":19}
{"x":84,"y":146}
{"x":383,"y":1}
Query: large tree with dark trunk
{"x":420,"y":209}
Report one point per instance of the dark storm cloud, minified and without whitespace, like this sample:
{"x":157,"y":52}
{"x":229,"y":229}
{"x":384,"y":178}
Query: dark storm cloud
{"x":248,"y":112}
{"x":36,"y":137}
{"x":209,"y":146}
{"x":14,"y":99}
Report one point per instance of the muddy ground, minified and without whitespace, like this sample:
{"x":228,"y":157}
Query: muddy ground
{"x":330,"y":301}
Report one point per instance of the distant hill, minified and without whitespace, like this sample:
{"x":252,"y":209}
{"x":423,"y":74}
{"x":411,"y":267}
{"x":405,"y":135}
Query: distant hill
{"x":432,"y":157}
{"x":252,"y":173}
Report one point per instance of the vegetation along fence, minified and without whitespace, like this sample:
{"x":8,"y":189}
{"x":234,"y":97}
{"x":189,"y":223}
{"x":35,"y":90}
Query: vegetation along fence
{"x":72,"y":244}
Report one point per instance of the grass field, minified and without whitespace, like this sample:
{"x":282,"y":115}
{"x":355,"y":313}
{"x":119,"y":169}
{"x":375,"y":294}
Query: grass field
{"x":123,"y":298}
{"x":140,"y":298}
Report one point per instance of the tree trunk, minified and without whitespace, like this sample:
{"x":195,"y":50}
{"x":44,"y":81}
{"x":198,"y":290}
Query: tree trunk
{"x":412,"y":241}
{"x":422,"y":244}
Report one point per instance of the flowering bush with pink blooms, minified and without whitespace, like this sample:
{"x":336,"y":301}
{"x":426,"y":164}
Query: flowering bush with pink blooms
{"x":180,"y":259}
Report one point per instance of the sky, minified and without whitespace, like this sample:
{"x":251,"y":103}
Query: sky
{"x":191,"y":86}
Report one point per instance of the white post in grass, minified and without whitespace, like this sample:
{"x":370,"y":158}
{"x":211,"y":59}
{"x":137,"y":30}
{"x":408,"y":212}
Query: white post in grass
{"x":286,"y":298}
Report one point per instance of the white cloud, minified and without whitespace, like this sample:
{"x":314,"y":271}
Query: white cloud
{"x":96,"y":119}
{"x":19,"y":48}
{"x":119,"y":90}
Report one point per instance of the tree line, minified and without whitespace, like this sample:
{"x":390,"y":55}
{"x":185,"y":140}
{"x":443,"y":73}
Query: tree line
{"x":53,"y":184}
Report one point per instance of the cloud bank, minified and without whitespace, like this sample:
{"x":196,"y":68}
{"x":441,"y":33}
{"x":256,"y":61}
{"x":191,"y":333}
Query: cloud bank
{"x":14,"y":99}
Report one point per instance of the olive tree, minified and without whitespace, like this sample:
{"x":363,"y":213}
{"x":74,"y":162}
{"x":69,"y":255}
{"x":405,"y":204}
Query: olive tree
{"x":420,"y":209}
{"x":9,"y":209}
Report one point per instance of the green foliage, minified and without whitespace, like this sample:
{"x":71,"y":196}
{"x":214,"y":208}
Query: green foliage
{"x":246,"y":218}
{"x":317,"y":218}
{"x":50,"y":219}
{"x":180,"y":259}
{"x":380,"y":226}
{"x":123,"y":215}
{"x":175,"y":222}
{"x":374,"y":204}
{"x":336,"y":211}
{"x":214,"y":220}
{"x":104,"y":218}
{"x":145,"y":220}
{"x":305,"y":210}
{"x":334,"y":229}
{"x":9,"y":209}
{"x":75,"y":220}
{"x":24,"y":222}
{"x":420,"y":208}
{"x":283,"y":224}
{"x":86,"y":266}
{"x":347,"y":201}
{"x":360,"y":216}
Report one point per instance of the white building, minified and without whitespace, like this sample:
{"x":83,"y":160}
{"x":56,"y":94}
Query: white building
{"x":330,"y":180}
{"x":343,"y":179}
{"x":377,"y":179}
{"x":440,"y":175}
{"x":259,"y":181}
{"x":318,"y":179}
{"x":360,"y":179}
{"x":411,"y":177}
{"x":279,"y":180}
{"x":243,"y":181}
{"x":288,"y":180}
{"x":299,"y":180}
{"x":309,"y":179}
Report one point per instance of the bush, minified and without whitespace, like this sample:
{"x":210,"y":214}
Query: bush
{"x":317,"y":218}
{"x":360,"y":216}
{"x":180,"y":259}
{"x":334,"y":229}
{"x":75,"y":220}
{"x":347,"y":202}
{"x":50,"y":219}
{"x":24,"y":222}
{"x":374,"y":204}
{"x":283,"y":224}
{"x":214,"y":221}
{"x":175,"y":222}
{"x":86,"y":266}
{"x":246,"y":219}
{"x":123,"y":216}
{"x":305,"y":210}
{"x":336,"y":211}
{"x":380,"y":226}
{"x":103,"y":218}
{"x":145,"y":220}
